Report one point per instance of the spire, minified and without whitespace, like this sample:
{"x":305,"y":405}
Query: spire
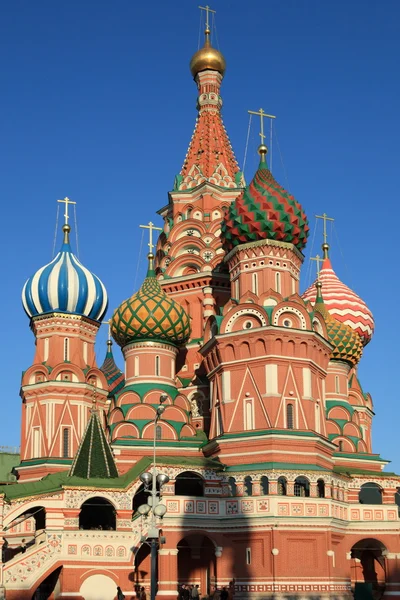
{"x":210,"y":156}
{"x":115,"y":378}
{"x":94,"y":459}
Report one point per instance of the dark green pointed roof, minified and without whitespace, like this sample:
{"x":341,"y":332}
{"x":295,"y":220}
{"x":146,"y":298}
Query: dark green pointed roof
{"x":94,"y":458}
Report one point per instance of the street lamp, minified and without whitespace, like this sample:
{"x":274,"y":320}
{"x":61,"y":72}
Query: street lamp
{"x":154,"y":507}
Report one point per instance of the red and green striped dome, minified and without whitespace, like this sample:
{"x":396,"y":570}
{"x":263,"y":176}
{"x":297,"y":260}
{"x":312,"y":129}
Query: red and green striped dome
{"x":265,"y":211}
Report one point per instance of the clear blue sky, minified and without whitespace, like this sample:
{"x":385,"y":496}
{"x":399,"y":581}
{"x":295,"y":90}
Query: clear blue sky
{"x":97,"y":103}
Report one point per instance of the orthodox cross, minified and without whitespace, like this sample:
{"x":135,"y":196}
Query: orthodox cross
{"x":151,"y":227}
{"x":262,"y":116}
{"x":318,"y":260}
{"x":66,"y":201}
{"x":208,"y":10}
{"x":325,"y":218}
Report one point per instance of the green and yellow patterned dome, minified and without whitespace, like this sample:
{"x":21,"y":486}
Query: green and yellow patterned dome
{"x":346,"y":342}
{"x":150,"y":315}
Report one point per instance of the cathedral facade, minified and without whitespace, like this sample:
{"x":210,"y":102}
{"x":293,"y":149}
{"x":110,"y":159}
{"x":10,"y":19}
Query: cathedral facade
{"x":272,"y":487}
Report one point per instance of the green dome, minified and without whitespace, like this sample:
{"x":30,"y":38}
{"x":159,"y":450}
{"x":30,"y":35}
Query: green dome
{"x":150,"y":315}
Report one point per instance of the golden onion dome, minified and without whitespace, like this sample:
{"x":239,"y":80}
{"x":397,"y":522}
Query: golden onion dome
{"x":207,"y":58}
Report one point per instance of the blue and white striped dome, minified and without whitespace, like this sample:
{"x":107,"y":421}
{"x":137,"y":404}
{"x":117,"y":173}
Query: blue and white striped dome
{"x":65,"y":285}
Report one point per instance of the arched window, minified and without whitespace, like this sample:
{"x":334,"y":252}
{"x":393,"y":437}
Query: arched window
{"x":158,"y":432}
{"x":264,"y":484}
{"x":282,"y":486}
{"x":249,"y":414}
{"x":189,"y":483}
{"x":337,"y":384}
{"x":321,"y":488}
{"x":65,"y":442}
{"x":66,"y":349}
{"x":97,"y":513}
{"x":248,"y":486}
{"x":289,"y":416}
{"x":278,"y":282}
{"x":219,"y":424}
{"x":370,"y":493}
{"x":302,"y":487}
{"x":232,"y":486}
{"x":36,"y":442}
{"x":255,"y":283}
{"x":157,"y":366}
{"x":340,"y":446}
{"x":85,"y":352}
{"x":237,"y":290}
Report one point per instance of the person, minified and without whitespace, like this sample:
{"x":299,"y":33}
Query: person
{"x":120,"y":594}
{"x":186,"y":592}
{"x":195,"y":592}
{"x":224,"y":594}
{"x":142,"y":595}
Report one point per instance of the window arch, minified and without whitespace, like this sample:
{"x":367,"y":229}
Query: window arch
{"x":337,"y":384}
{"x":189,"y":483}
{"x":46,"y":349}
{"x":97,"y":513}
{"x":157,"y":366}
{"x":66,"y":349}
{"x":232,"y":486}
{"x":282,"y":486}
{"x":264,"y":485}
{"x":248,"y":486}
{"x":321,"y":488}
{"x":158,"y":432}
{"x":370,"y":493}
{"x":289,"y":416}
{"x":136,"y":366}
{"x":302,"y":487}
{"x":254,"y":280}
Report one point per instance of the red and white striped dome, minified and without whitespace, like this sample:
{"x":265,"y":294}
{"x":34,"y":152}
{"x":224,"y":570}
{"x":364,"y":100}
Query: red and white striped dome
{"x":343,"y":303}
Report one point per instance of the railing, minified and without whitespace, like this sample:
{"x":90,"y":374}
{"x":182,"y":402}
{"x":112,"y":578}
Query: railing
{"x":278,"y":506}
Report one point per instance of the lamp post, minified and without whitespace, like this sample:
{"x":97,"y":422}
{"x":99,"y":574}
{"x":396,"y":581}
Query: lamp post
{"x":154,"y":507}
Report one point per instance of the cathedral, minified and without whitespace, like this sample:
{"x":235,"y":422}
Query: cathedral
{"x":235,"y":449}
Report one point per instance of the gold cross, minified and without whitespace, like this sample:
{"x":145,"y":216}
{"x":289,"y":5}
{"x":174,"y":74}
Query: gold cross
{"x":319,"y":260}
{"x":208,"y":10}
{"x":151,"y":227}
{"x":66,"y":201}
{"x":325,"y":218}
{"x":262,"y":116}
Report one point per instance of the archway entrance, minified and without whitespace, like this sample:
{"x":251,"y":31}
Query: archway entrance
{"x":368,"y":569}
{"x":48,"y":586}
{"x":197,"y":563}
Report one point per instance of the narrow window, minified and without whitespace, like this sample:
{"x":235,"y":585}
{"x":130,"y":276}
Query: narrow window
{"x":249,"y":421}
{"x":220,"y":429}
{"x":340,"y":446}
{"x":66,"y":349}
{"x":85,"y":352}
{"x":237,"y":290}
{"x":317,"y":419}
{"x":157,"y":366}
{"x":282,"y":486}
{"x":136,"y":366}
{"x":65,"y":451}
{"x":289,"y":416}
{"x":46,"y":349}
{"x":321,"y":488}
{"x":248,"y":486}
{"x":278,"y":282}
{"x":158,"y":432}
{"x":264,"y":484}
{"x":248,"y":556}
{"x":255,"y":283}
{"x":36,"y":442}
{"x":337,"y":384}
{"x":173,"y":368}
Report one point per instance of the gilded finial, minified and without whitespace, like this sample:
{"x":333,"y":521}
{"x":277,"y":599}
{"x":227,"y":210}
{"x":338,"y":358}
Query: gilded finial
{"x":66,"y":229}
{"x":260,"y":113}
{"x":325,"y":249}
{"x":207,"y":58}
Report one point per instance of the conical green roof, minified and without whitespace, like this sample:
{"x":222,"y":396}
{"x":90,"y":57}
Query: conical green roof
{"x":94,"y":458}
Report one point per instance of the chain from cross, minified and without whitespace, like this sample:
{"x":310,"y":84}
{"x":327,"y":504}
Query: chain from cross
{"x":66,"y":201}
{"x":208,"y":10}
{"x":262,"y":116}
{"x":325,"y":218}
{"x":318,"y":260}
{"x":151,"y":227}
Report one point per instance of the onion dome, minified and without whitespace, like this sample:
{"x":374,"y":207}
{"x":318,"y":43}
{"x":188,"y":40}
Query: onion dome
{"x":115,"y":378}
{"x":65,"y":285}
{"x":150,"y":315}
{"x":346,"y":342}
{"x":265,"y":211}
{"x":207,"y":58}
{"x":342,"y":302}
